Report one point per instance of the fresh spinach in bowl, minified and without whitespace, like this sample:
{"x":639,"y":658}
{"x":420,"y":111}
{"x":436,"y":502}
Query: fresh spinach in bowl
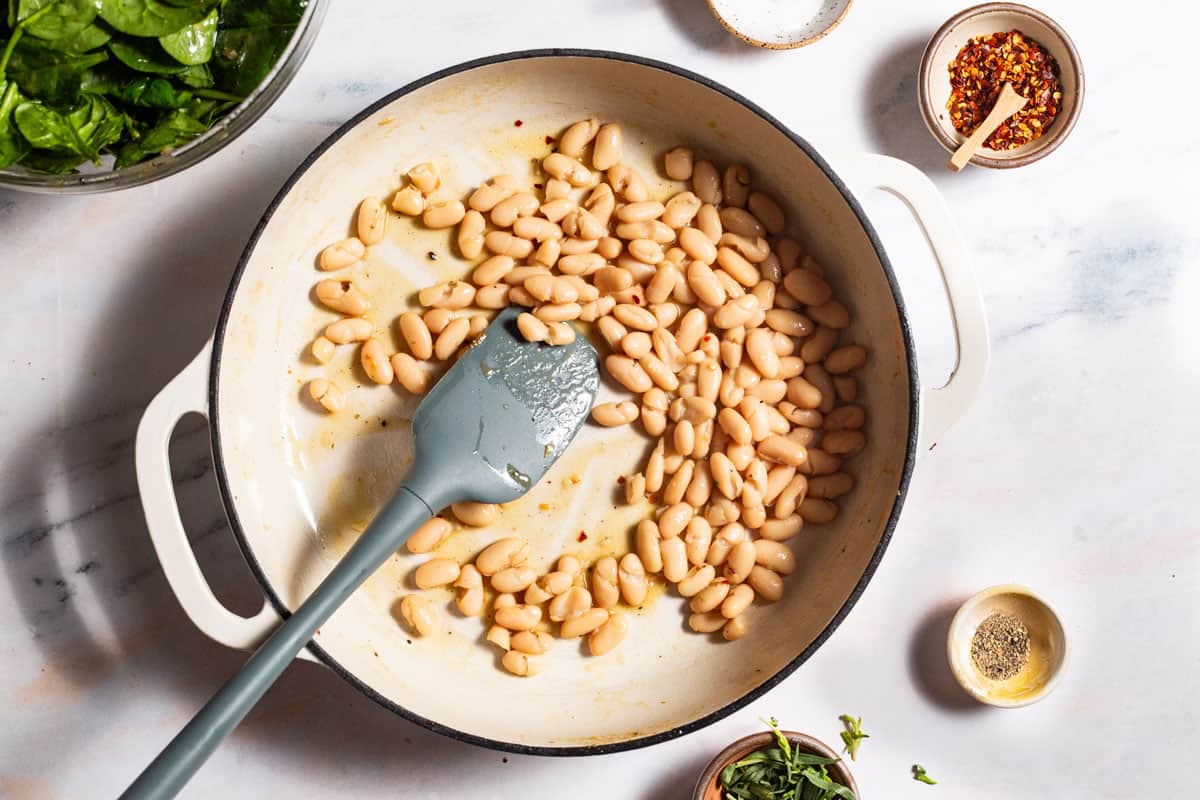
{"x":130,"y":79}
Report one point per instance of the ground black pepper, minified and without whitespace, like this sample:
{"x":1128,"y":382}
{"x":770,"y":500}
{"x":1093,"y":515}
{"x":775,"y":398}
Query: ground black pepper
{"x":1000,"y":646}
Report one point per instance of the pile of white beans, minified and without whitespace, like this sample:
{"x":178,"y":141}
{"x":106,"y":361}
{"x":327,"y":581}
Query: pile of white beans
{"x":723,"y":330}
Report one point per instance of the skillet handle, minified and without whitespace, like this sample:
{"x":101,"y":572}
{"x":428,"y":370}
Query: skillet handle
{"x":187,"y":393}
{"x":941,"y":406}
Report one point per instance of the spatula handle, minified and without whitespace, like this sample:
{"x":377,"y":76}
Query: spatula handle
{"x":176,"y":764}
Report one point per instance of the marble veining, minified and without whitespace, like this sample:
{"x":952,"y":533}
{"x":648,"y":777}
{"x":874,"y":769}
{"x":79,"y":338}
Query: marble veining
{"x":1073,"y":473}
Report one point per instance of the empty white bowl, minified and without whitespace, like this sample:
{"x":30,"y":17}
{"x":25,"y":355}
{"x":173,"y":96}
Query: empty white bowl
{"x":779,"y":24}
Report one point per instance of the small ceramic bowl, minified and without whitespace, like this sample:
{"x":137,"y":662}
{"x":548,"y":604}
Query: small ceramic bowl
{"x":779,"y":24}
{"x":933,"y":85}
{"x":1047,"y":647}
{"x":707,"y":788}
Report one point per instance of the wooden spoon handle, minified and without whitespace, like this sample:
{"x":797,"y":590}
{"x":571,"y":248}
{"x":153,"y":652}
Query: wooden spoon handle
{"x":1007,"y":104}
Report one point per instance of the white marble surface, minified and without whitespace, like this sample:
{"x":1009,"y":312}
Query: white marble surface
{"x":1074,"y":474}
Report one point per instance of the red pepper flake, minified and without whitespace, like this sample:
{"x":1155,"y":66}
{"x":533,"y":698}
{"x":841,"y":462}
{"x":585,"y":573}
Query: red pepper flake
{"x":981,"y":69}
{"x":582,"y":537}
{"x":637,"y":301}
{"x":537,"y":186}
{"x":550,"y":140}
{"x":620,"y":479}
{"x":707,"y":337}
{"x":518,"y":123}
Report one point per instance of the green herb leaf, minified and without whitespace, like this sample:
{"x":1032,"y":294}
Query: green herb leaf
{"x":60,"y":18}
{"x":175,"y":129}
{"x":47,"y":129}
{"x":52,"y":163}
{"x":89,"y":38}
{"x":143,"y":59}
{"x":48,"y":74}
{"x":12,"y":145}
{"x":781,"y":772}
{"x":194,"y":44}
{"x":920,"y":775}
{"x":853,"y":735}
{"x":149,"y":17}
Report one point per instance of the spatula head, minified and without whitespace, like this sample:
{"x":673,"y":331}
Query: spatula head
{"x":495,"y":422}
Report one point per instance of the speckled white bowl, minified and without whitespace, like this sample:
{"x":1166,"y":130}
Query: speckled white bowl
{"x":1047,"y":647}
{"x":779,"y":24}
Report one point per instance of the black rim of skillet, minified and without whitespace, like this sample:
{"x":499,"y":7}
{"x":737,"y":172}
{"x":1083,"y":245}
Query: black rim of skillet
{"x":641,"y":741}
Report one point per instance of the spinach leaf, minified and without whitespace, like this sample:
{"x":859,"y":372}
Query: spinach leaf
{"x":48,"y":74}
{"x":97,"y":122}
{"x":143,"y":59}
{"x":261,"y":13}
{"x":90,"y":38}
{"x":12,"y":144}
{"x":149,"y":17}
{"x":244,"y":56}
{"x":61,"y":17}
{"x":175,"y":129}
{"x":198,"y":76}
{"x":51,"y":162}
{"x":149,"y":92}
{"x":192,"y":45}
{"x":47,"y":129}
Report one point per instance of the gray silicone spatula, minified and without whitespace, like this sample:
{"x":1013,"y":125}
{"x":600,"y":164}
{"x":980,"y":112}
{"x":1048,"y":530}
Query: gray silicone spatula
{"x":487,"y":432}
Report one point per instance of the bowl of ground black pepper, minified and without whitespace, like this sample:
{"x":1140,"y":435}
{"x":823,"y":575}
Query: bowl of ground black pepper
{"x":974,"y":54}
{"x":1007,"y":647}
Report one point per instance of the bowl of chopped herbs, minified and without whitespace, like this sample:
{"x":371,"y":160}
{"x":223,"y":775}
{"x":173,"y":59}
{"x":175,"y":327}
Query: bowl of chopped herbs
{"x":777,"y":765}
{"x":98,"y":95}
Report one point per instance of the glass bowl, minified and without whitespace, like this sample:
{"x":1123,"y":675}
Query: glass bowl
{"x":95,"y":179}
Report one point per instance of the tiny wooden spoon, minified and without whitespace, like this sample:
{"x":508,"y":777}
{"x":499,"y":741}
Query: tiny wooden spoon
{"x":1007,"y":104}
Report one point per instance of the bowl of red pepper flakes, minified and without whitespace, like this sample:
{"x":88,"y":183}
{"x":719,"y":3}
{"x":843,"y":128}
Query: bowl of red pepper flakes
{"x":974,"y":54}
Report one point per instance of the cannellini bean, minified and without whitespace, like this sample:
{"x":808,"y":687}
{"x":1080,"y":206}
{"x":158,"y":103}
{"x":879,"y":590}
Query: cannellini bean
{"x":536,"y":595}
{"x":845,"y":418}
{"x":533,"y":643}
{"x":697,"y":539}
{"x":845,"y":359}
{"x":521,"y":664}
{"x":371,"y":220}
{"x":480,"y":515}
{"x":775,"y":556}
{"x":803,"y":394}
{"x":445,"y":214}
{"x":425,"y":177}
{"x":649,"y":551}
{"x":605,"y":592}
{"x":678,"y":163}
{"x":607,"y":246}
{"x":578,"y":136}
{"x":663,"y":282}
{"x":626,"y":182}
{"x":555,"y":210}
{"x":557,"y":312}
{"x":493,"y":270}
{"x":583,"y":624}
{"x":537,"y":229}
{"x":695,"y":580}
{"x":608,"y":635}
{"x":818,"y":510}
{"x":737,"y":600}
{"x":654,"y":230}
{"x":327,"y":394}
{"x":706,"y":182}
{"x":768,"y":211}
{"x":470,"y":596}
{"x":680,"y":210}
{"x":492,"y":297}
{"x":492,"y":193}
{"x":735,"y":629}
{"x":791,"y":496}
{"x":501,"y":554}
{"x":345,"y":331}
{"x":513,"y":579}
{"x":418,"y":613}
{"x":342,"y":296}
{"x":697,"y":246}
{"x":612,"y":331}
{"x":819,"y":345}
{"x":635,"y":489}
{"x":708,"y":622}
{"x":436,"y":572}
{"x":428,"y":536}
{"x":558,"y":582}
{"x":518,"y":617}
{"x":735,"y":185}
{"x":760,"y":349}
{"x":451,"y":338}
{"x":704,"y":283}
{"x":628,"y":373}
{"x":725,"y":477}
{"x":741,"y":222}
{"x":375,"y":362}
{"x":736,"y":313}
{"x":823,"y":381}
{"x":409,"y":374}
{"x":708,"y":220}
{"x":782,"y":450}
{"x":832,"y":315}
{"x":735,"y":425}
{"x":655,"y":466}
{"x":580,"y":263}
{"x":841,"y":443}
{"x":737,"y":267}
{"x":674,"y":519}
{"x":561,"y":333}
{"x":613,"y":414}
{"x":710,"y":597}
{"x":607,"y":150}
{"x":674,"y":559}
{"x":847,"y":388}
{"x":499,"y":636}
{"x":565,"y":168}
{"x":340,"y":255}
{"x":740,"y":562}
{"x":756,"y":250}
{"x":631,"y":578}
{"x":645,"y":211}
{"x":612,"y":279}
{"x":451,"y":294}
{"x":506,"y":244}
{"x":832,"y":486}
{"x":409,"y":201}
{"x":722,"y":511}
{"x":766,"y":583}
{"x":807,"y":287}
{"x":699,"y":489}
{"x":780,"y":530}
{"x":416,"y":335}
{"x":470,"y":233}
{"x":790,"y":323}
{"x":323,"y":349}
{"x":518,"y":206}
{"x":570,"y":604}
